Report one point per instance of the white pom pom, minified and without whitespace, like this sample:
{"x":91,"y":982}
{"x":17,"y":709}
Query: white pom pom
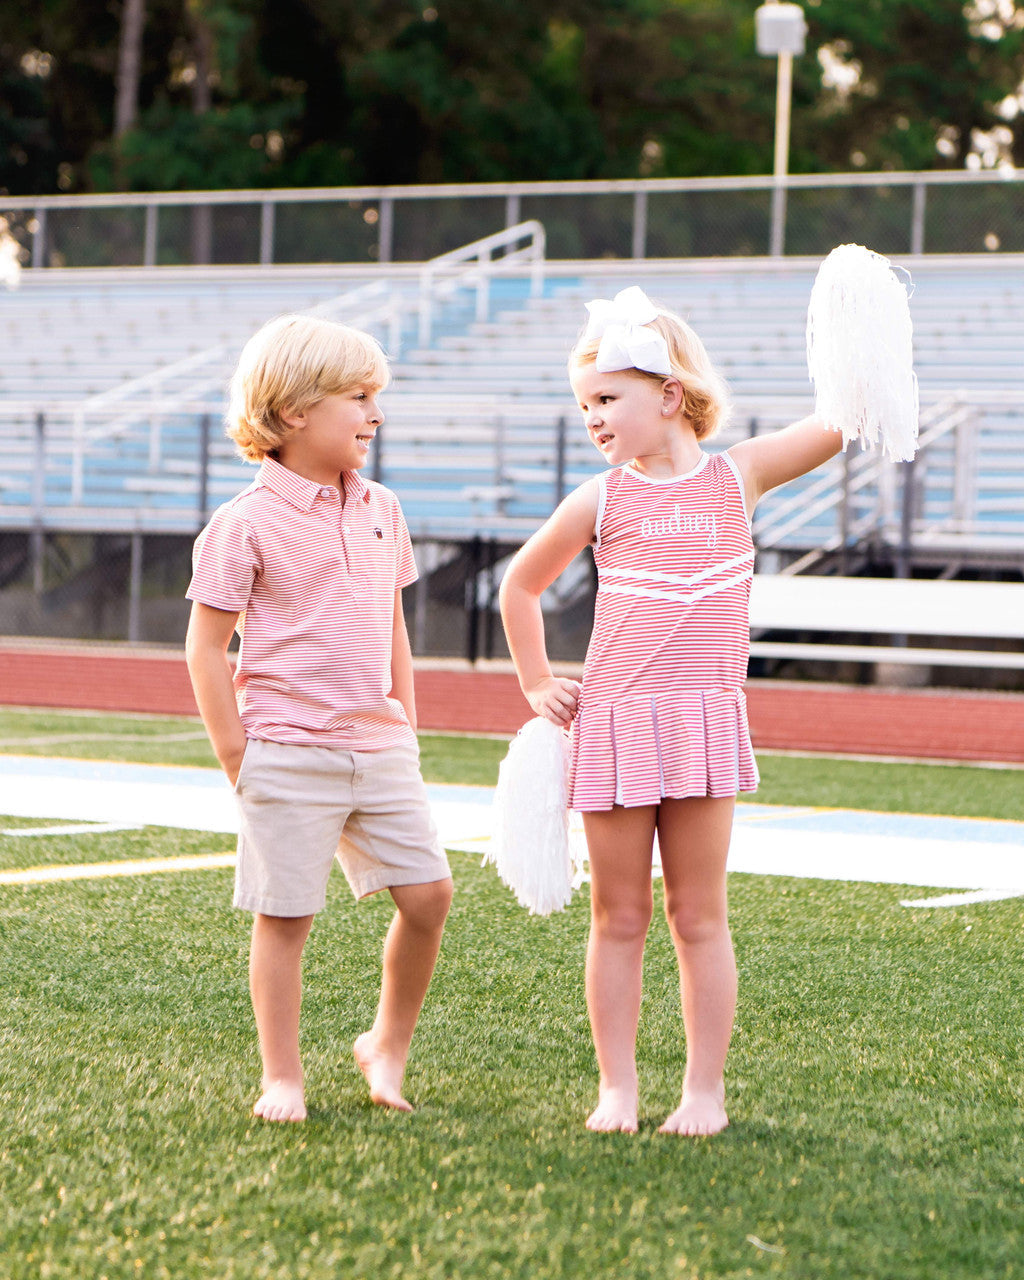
{"x":860,"y":351}
{"x":530,"y":847}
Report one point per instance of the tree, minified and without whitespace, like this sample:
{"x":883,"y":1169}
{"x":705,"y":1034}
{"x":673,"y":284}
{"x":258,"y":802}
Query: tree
{"x":927,"y":82}
{"x":329,"y":92}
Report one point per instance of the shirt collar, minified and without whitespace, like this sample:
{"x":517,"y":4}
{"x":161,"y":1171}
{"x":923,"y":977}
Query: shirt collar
{"x":355,"y":485}
{"x":302,"y":493}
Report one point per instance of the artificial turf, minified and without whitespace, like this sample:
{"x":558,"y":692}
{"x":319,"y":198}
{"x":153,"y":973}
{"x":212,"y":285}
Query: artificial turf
{"x":874,"y":1084}
{"x":873,"y":1089}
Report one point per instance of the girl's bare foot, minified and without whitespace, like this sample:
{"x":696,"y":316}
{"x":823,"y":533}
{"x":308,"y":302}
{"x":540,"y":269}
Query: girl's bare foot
{"x":383,"y":1074}
{"x":698,"y":1115}
{"x":616,"y":1110}
{"x":282,"y":1100}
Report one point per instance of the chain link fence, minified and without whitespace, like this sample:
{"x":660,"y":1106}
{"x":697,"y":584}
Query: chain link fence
{"x":898,"y":213}
{"x":117,"y":587}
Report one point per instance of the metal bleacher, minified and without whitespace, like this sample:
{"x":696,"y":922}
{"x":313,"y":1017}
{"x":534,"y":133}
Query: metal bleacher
{"x":961,"y":503}
{"x":112,"y":388}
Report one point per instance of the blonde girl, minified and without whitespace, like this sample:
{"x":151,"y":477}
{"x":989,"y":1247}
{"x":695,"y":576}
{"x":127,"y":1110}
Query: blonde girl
{"x":659,"y":737}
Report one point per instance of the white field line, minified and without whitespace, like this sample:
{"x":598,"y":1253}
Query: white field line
{"x":48,"y":739}
{"x":964,"y":899}
{"x":104,"y":870}
{"x":72,"y":829}
{"x":980,"y":870}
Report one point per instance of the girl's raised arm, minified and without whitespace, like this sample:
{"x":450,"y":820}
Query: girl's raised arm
{"x":533,"y":569}
{"x":767,"y":461}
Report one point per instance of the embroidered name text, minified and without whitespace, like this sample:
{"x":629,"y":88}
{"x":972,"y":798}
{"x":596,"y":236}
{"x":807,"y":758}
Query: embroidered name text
{"x":681,"y":522}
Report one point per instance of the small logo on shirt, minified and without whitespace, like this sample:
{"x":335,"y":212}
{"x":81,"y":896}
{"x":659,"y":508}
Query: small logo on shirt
{"x":378,"y":533}
{"x":681,"y":522}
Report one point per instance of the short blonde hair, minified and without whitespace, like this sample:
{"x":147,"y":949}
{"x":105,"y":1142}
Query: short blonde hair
{"x":705,"y":395}
{"x":290,"y":365}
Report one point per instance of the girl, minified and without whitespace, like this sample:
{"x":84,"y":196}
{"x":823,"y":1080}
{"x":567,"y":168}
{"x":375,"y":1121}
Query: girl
{"x":659,"y":732}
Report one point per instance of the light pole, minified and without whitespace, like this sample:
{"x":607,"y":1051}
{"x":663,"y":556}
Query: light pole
{"x":780,"y":31}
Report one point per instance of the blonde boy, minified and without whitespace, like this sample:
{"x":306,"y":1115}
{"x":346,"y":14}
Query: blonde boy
{"x":316,"y":727}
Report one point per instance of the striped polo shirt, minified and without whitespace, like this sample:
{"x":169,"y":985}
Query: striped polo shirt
{"x":313,"y":582}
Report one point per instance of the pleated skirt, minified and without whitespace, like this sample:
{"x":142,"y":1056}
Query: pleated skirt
{"x":638,"y":751}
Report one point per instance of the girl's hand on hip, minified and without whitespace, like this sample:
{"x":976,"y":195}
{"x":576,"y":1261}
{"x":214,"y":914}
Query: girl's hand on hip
{"x":556,"y":699}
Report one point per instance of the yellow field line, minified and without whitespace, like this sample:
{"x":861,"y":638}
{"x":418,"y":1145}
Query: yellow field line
{"x":103,"y":870}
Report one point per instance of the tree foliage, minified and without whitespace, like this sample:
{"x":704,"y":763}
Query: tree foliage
{"x":238,"y":93}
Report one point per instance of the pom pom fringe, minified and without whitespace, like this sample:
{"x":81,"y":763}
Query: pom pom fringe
{"x":531,"y":848}
{"x":860,"y":351}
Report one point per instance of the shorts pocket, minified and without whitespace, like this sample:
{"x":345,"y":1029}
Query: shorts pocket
{"x":241,"y":768}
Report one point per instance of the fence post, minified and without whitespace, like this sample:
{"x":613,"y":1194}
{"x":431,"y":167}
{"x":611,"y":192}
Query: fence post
{"x":472,"y":604}
{"x":500,"y":434}
{"x":917,"y":219}
{"x":904,"y":552}
{"x":203,"y":499}
{"x":39,"y":239}
{"x":639,"y":248}
{"x":777,"y":232}
{"x":267,"y":210}
{"x":428,"y":556}
{"x":38,"y":541}
{"x":202,"y":235}
{"x":150,"y":234}
{"x":491,"y":590}
{"x":39,"y":468}
{"x":386,"y":229}
{"x":560,"y":433}
{"x":135,"y":589}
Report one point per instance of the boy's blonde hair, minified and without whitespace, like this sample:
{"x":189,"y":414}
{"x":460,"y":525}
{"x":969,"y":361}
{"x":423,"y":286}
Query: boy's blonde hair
{"x":290,"y":365}
{"x":705,"y":395}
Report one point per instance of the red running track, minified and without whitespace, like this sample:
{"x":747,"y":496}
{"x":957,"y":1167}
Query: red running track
{"x":851,"y":720}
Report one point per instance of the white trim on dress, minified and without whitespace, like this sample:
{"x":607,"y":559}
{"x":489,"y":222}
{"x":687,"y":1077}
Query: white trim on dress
{"x":686,"y":475}
{"x":730,"y":463}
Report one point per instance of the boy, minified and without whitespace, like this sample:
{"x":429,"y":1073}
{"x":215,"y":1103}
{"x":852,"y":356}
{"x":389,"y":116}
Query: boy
{"x":316,"y":729}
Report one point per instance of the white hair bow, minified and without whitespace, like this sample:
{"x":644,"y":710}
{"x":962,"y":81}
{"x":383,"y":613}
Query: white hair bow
{"x":626,"y":342}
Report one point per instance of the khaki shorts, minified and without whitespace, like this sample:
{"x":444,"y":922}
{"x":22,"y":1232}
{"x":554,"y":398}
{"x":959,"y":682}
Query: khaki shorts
{"x":302,"y":807}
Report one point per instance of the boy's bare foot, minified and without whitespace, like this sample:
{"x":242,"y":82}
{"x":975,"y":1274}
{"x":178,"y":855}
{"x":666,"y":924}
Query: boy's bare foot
{"x":383,"y":1074}
{"x":616,"y":1110}
{"x":281,"y":1100}
{"x":698,"y":1115}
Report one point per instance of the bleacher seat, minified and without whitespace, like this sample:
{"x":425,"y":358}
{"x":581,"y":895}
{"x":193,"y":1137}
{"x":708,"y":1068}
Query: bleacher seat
{"x":471,"y":439}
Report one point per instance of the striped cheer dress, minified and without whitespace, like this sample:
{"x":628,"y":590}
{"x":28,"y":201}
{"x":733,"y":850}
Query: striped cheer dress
{"x":662,"y":712}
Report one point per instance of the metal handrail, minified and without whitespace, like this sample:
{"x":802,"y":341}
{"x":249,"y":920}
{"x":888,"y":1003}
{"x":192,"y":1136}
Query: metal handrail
{"x":828,"y":490}
{"x":470,"y":265}
{"x":473,"y":264}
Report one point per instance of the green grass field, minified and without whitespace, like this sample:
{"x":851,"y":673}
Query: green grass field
{"x":875,"y":1080}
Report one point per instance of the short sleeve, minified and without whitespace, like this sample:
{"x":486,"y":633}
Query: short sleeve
{"x":405,"y":563}
{"x":225,"y":562}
